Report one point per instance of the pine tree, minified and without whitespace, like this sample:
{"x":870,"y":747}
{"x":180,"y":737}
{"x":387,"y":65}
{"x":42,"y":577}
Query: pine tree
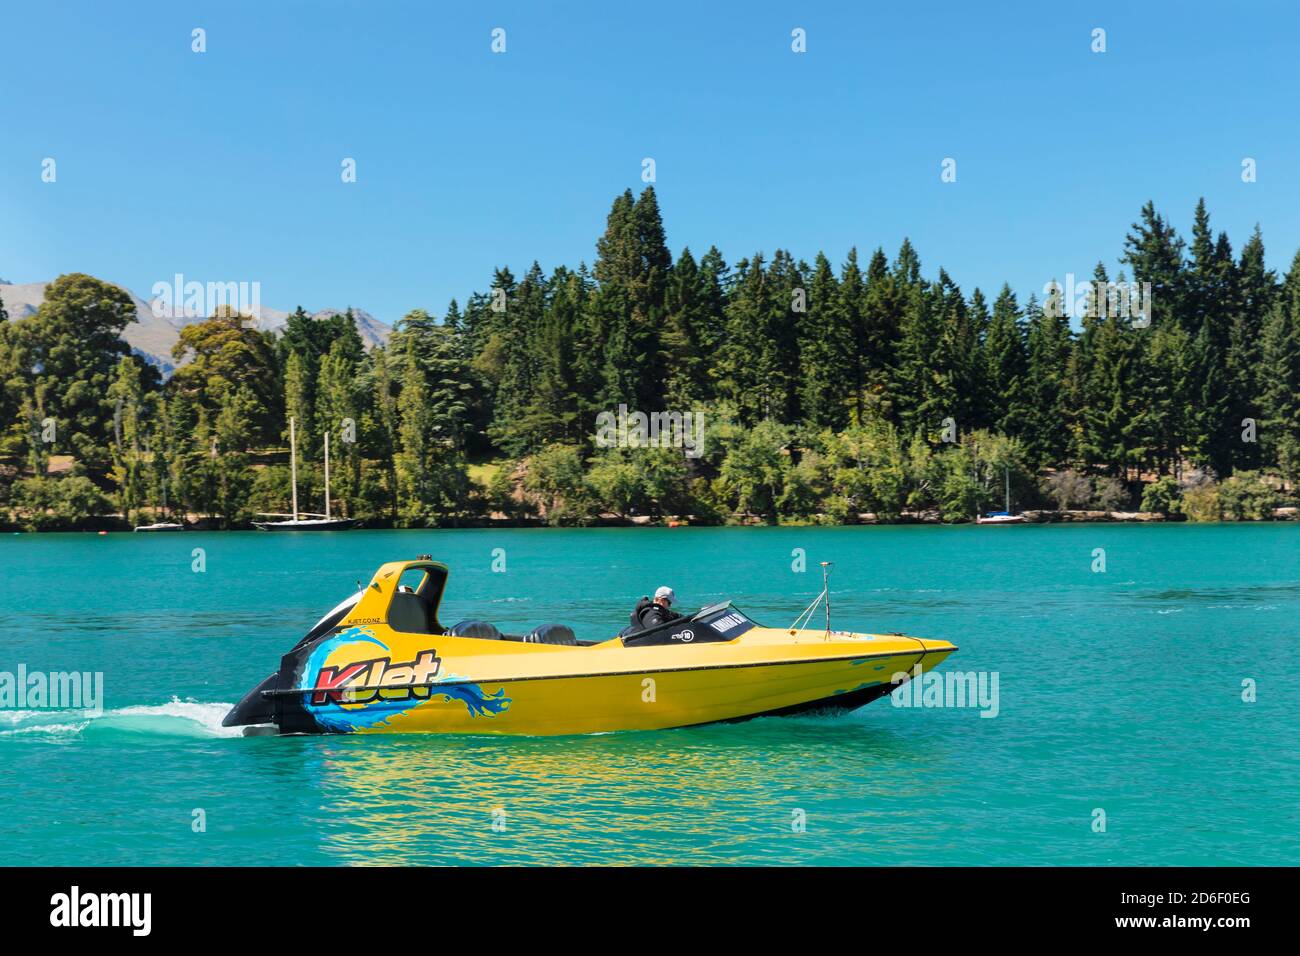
{"x":555,"y":413}
{"x":1210,"y":290}
{"x":715,"y":276}
{"x":1164,"y":384}
{"x":1111,"y":420}
{"x":1155,"y":252}
{"x":780,"y":337}
{"x":958,"y":355}
{"x":826,"y":348}
{"x":1047,"y":438}
{"x":1104,"y":404}
{"x":744,"y":372}
{"x":877,"y":305}
{"x":863,"y":348}
{"x":632,"y":270}
{"x":1256,"y":291}
{"x":517,"y":362}
{"x":448,"y":392}
{"x":923,"y":385}
{"x":304,"y":337}
{"x":685,"y":356}
{"x":1279,"y":398}
{"x":975,"y":362}
{"x":919,"y":383}
{"x":1006,"y":365}
{"x":907,"y":264}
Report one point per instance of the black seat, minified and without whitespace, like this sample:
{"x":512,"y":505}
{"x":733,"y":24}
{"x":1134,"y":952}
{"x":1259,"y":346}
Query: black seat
{"x":480,"y":629}
{"x":407,"y":613}
{"x":551,"y":634}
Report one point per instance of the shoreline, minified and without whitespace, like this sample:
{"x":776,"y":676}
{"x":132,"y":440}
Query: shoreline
{"x":118,"y":525}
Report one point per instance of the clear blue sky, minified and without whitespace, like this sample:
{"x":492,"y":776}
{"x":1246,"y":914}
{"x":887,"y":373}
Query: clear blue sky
{"x":225,"y":165}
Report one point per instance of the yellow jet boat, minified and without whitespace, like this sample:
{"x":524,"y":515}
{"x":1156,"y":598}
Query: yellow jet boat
{"x":380,"y":662}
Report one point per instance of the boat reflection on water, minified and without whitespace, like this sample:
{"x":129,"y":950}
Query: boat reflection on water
{"x":701,"y":795}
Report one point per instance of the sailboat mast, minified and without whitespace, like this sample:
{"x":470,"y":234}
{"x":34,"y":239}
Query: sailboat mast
{"x":1007,"y":472}
{"x":327,"y":474}
{"x":293,"y":466}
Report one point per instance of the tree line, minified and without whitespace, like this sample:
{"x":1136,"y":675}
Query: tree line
{"x":828,"y":393}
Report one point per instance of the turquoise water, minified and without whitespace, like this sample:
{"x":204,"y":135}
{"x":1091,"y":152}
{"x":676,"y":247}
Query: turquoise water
{"x":1119,"y":691}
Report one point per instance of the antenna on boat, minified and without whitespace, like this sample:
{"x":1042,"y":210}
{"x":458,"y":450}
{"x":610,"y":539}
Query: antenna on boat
{"x":826,"y":590}
{"x":805,"y":616}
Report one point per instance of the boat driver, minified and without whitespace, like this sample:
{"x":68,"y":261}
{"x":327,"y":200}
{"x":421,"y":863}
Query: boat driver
{"x":650,"y":613}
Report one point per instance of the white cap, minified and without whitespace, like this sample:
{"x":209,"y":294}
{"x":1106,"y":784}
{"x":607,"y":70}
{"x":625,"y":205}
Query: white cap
{"x":666,"y":592}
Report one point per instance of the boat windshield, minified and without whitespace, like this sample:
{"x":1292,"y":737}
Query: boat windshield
{"x":715,"y":623}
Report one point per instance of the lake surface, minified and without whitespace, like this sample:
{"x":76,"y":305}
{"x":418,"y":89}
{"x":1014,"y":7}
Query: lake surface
{"x":1119,"y":691}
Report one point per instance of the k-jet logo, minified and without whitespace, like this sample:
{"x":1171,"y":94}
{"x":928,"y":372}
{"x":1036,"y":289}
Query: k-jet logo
{"x":364,"y":681}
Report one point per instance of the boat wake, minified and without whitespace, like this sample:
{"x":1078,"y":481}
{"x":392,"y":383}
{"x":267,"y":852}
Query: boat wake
{"x":176,"y":718}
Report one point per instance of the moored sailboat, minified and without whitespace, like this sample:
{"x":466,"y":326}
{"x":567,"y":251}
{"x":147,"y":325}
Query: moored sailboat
{"x":305,"y":520}
{"x":1002,"y":517}
{"x":162,"y":525}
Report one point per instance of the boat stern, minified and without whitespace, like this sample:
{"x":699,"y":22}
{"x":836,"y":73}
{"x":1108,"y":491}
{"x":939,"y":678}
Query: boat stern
{"x":255,"y":707}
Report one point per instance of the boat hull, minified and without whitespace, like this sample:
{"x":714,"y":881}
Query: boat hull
{"x":652,"y":701}
{"x":676,"y":694}
{"x":357,"y":672}
{"x":330,"y":524}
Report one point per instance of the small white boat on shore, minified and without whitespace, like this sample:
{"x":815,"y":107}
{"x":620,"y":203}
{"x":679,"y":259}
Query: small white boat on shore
{"x":1002,"y":517}
{"x":162,"y":525}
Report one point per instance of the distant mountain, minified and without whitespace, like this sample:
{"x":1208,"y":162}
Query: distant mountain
{"x":153,"y":333}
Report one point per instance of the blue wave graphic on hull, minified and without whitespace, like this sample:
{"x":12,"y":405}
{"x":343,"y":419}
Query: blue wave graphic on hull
{"x":479,"y":703}
{"x":333,"y":717}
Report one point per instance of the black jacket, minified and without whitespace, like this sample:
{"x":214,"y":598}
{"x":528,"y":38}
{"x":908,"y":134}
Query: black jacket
{"x":648,"y":614}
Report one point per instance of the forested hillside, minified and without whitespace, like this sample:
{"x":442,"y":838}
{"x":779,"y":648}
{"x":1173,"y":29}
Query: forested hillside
{"x":828,"y":390}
